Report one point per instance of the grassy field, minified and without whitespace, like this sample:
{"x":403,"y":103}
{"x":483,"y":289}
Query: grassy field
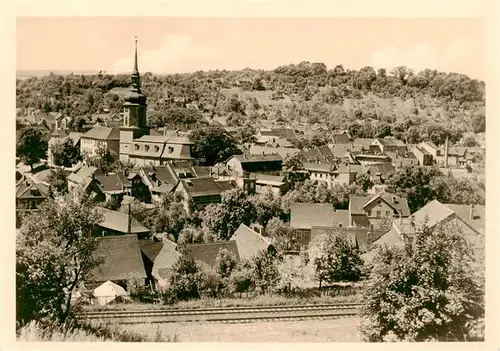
{"x":261,"y":300}
{"x":336,"y":330}
{"x":93,"y":332}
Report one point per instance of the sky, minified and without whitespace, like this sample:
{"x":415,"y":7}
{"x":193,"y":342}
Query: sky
{"x":178,"y":45}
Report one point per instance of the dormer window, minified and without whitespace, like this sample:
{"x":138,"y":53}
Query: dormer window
{"x":146,"y":147}
{"x":136,"y":147}
{"x":157,"y":149}
{"x":170,"y":149}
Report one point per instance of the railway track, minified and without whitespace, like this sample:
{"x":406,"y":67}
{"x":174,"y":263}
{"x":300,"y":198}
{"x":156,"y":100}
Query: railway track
{"x":225,"y":315}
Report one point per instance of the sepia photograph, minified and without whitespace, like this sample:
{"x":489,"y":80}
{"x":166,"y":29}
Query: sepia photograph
{"x":250,"y":179}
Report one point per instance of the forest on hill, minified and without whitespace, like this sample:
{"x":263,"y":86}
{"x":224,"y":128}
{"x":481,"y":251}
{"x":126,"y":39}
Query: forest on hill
{"x":412,"y":106}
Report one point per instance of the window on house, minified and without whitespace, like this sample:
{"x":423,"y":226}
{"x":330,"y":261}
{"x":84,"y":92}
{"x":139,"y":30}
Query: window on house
{"x":378,"y":213}
{"x":136,"y":147}
{"x":170,"y":149}
{"x":387,"y":213}
{"x":146,"y":147}
{"x":157,"y":149}
{"x":369,"y":213}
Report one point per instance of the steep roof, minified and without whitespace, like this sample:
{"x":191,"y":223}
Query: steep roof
{"x":249,"y":242}
{"x":24,"y":189}
{"x":75,"y":137}
{"x":260,"y":163}
{"x":340,"y":138}
{"x":103,"y":133}
{"x":306,"y":215}
{"x":205,"y":186}
{"x":82,"y":174}
{"x":339,"y":152}
{"x":207,"y":252}
{"x":285,"y":133}
{"x":464,"y":212}
{"x":118,"y":221}
{"x":122,"y":259}
{"x":161,"y":173}
{"x":165,"y":259}
{"x":357,"y":203}
{"x":150,"y":248}
{"x":110,"y":182}
{"x":108,"y":289}
{"x":363,"y":141}
{"x":284,"y":152}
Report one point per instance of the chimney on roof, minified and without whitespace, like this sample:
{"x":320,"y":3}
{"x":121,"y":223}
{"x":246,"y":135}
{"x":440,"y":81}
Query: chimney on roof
{"x":129,"y":220}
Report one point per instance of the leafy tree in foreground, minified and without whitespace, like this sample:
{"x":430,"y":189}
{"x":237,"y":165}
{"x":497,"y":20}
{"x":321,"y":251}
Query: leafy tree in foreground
{"x":185,"y":280}
{"x":54,"y":254}
{"x":423,"y":291}
{"x":104,"y":160}
{"x":32,"y":145}
{"x":335,"y":260}
{"x":66,"y":154}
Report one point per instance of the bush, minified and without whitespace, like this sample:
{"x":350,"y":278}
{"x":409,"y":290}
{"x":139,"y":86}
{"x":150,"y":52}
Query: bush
{"x":423,"y":291}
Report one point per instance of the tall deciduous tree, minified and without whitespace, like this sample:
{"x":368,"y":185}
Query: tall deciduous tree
{"x":265,"y":271}
{"x":223,"y":219}
{"x":335,"y":259}
{"x":214,"y":145}
{"x":104,"y":160}
{"x":425,"y":290}
{"x":413,"y":182}
{"x":54,"y":254}
{"x":66,"y":154}
{"x":32,"y":145}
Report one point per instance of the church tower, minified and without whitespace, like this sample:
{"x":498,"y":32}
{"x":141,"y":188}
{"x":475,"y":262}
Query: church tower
{"x":134,"y":113}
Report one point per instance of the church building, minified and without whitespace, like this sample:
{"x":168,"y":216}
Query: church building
{"x":133,"y":139}
{"x":136,"y":142}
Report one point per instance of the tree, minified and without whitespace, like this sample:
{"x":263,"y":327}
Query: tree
{"x":186,"y":279}
{"x":213,"y":145}
{"x":32,"y":145}
{"x":224,"y":219}
{"x":225,"y":263}
{"x":363,"y":181}
{"x":267,"y":205}
{"x":66,"y":154}
{"x":424,"y":290}
{"x":170,"y":216}
{"x":190,"y":235}
{"x":413,"y":182}
{"x":282,"y":235}
{"x":104,"y":160}
{"x":450,"y":190}
{"x":54,"y":255}
{"x":58,"y":183}
{"x":265,"y":271}
{"x":335,"y":259}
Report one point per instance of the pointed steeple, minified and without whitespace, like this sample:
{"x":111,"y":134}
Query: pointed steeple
{"x":136,"y":78}
{"x":136,"y":66}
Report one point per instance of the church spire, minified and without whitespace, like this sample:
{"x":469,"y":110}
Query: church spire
{"x":136,"y":67}
{"x":136,"y":80}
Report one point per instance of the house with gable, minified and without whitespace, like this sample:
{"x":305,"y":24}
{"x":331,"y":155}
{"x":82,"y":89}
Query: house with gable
{"x":377,"y":210}
{"x":121,"y":263}
{"x":435,"y":214}
{"x":243,"y":168}
{"x":388,"y":144}
{"x":29,"y":196}
{"x":100,"y":137}
{"x":308,"y":217}
{"x":249,"y":242}
{"x":200,"y":192}
{"x":163,"y":264}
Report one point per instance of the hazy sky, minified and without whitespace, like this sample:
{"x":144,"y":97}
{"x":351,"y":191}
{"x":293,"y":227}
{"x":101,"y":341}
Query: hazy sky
{"x":169,"y":45}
